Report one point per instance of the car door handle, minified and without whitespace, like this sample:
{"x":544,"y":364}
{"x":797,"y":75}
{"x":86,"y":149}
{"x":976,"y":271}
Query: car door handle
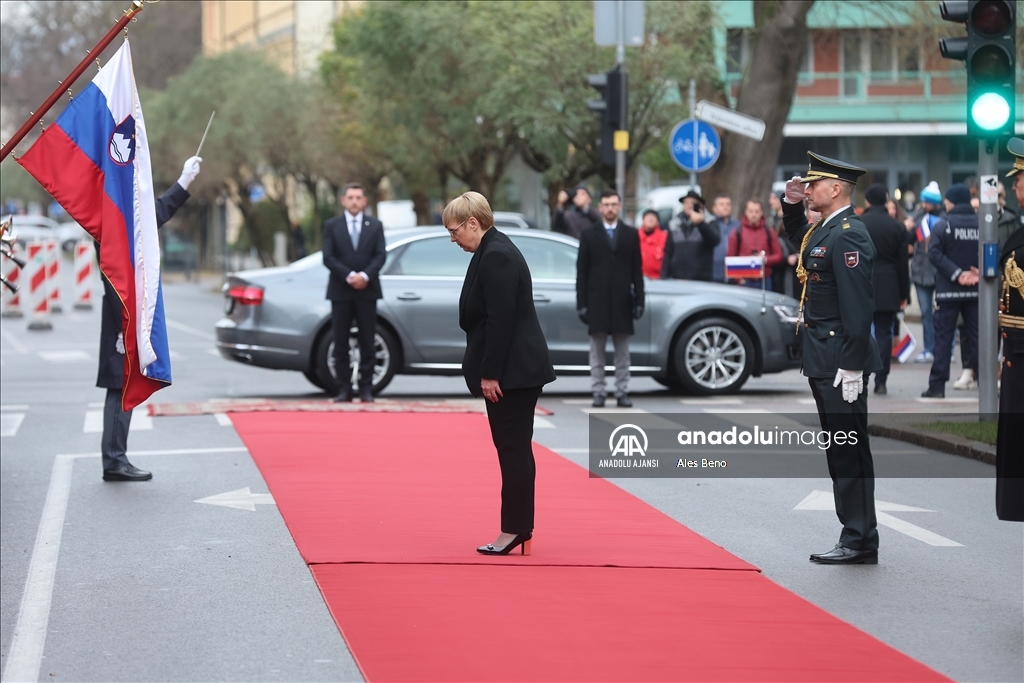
{"x":409,"y":296}
{"x":541,"y":299}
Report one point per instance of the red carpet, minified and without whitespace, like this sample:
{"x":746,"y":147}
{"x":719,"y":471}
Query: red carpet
{"x":387,"y":508}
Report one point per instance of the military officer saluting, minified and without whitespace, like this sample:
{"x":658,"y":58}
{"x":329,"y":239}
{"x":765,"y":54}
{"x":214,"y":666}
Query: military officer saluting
{"x":837,"y":306}
{"x":1009,"y":452}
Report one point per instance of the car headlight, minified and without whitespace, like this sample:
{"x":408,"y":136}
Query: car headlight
{"x":787,"y":314}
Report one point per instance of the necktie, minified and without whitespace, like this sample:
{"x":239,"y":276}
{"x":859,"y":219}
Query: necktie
{"x":354,"y":232}
{"x":611,"y":234}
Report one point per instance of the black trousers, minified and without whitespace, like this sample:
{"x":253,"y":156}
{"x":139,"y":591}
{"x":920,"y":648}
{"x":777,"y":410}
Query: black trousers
{"x":364,"y":313}
{"x":116,"y":422}
{"x":1009,"y":452}
{"x":884,"y":323}
{"x":511,"y":420}
{"x":850,"y":466}
{"x":946,"y":313}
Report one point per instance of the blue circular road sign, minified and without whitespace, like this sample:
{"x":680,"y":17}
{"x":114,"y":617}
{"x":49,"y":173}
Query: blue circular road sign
{"x":694,"y":145}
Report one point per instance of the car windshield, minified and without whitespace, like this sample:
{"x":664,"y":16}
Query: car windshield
{"x":432,"y":257}
{"x":547,"y":259}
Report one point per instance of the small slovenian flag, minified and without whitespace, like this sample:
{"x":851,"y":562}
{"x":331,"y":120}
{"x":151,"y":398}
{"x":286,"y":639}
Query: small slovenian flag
{"x":94,"y":160}
{"x":744,"y":267}
{"x":904,"y":346}
{"x":924,"y":228}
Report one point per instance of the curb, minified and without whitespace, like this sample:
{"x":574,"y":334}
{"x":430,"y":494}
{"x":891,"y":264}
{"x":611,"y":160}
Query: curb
{"x":947,"y":443}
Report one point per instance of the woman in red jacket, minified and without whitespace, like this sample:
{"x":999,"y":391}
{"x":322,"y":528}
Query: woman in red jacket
{"x":754,"y":237}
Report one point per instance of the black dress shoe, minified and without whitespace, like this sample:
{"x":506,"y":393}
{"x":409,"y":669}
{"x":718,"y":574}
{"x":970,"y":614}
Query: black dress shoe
{"x":843,"y":555}
{"x":598,"y":401}
{"x":880,"y":389}
{"x":933,"y":393}
{"x":623,"y":401}
{"x":522,"y":540}
{"x":344,"y":395}
{"x":127,"y":472}
{"x":366,"y":394}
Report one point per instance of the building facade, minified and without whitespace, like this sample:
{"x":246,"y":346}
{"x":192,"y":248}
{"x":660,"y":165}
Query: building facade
{"x":873,"y":90}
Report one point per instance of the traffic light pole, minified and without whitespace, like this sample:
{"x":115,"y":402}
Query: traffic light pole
{"x":988,"y":286}
{"x":620,"y":57}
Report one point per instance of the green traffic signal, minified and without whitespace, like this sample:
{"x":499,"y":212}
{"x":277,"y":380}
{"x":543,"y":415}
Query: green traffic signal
{"x":990,"y":111}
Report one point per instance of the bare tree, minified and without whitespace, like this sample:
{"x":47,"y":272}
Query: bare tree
{"x":746,"y":167}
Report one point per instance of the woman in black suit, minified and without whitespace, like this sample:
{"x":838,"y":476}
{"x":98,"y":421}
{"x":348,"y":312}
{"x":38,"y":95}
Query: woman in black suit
{"x":506,"y":358}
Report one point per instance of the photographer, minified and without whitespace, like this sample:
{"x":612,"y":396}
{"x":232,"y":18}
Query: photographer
{"x":579,"y":215}
{"x":691,"y":242}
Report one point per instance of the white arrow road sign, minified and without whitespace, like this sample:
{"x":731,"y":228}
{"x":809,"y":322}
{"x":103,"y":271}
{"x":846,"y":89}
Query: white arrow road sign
{"x":824,"y":500}
{"x":241,"y":499}
{"x":716,"y":115}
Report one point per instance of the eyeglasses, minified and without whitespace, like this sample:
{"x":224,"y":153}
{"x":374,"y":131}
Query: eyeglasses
{"x":456,"y":228}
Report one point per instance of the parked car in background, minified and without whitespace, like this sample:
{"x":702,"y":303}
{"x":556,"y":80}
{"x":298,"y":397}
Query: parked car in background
{"x":702,"y":338}
{"x":30,"y":228}
{"x":509,"y":219}
{"x":664,"y":200}
{"x":179,"y":253}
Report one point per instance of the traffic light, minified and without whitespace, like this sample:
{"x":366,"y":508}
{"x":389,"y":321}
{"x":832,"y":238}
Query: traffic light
{"x":612,"y":87}
{"x":989,"y":51}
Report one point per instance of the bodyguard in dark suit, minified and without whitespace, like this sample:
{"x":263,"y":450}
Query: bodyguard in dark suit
{"x":891,"y":279}
{"x":354,"y":253}
{"x":506,"y":358}
{"x":114,"y":442}
{"x":835,"y":267}
{"x":610,"y":294}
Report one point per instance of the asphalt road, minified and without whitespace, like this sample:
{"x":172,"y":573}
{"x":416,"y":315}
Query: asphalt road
{"x":150,"y":585}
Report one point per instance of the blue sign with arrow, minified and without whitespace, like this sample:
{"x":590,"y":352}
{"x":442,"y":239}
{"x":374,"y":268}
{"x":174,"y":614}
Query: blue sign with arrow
{"x":694,"y":145}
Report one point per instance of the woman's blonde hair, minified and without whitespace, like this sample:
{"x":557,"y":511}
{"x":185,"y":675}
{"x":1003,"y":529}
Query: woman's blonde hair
{"x":468,"y":205}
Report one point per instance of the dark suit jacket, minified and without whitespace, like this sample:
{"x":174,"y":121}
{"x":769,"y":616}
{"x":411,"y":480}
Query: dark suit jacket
{"x":341,"y":259}
{"x":609,"y":278}
{"x":503,"y":336}
{"x":111,"y":370}
{"x":891,"y":276}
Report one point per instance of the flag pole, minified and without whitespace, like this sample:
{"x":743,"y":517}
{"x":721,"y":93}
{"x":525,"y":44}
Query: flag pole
{"x":64,"y":85}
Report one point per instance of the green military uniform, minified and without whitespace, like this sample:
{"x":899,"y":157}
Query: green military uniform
{"x":836,"y":261}
{"x":1010,"y":435}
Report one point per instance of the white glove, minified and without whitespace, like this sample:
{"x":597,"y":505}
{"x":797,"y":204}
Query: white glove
{"x":189,"y":171}
{"x":119,"y":344}
{"x":853,"y":383}
{"x":794,"y":190}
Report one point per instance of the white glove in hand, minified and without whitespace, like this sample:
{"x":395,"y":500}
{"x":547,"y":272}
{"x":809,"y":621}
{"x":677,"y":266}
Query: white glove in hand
{"x":189,"y":171}
{"x":853,"y":383}
{"x":794,"y":190}
{"x":119,"y":344}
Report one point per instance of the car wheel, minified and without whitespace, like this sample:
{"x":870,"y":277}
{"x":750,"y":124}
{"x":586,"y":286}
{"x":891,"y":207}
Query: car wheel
{"x":713,"y":356}
{"x":314,"y":379}
{"x":386,"y":351}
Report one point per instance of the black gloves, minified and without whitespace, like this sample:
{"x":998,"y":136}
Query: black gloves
{"x":638,"y":311}
{"x":582,"y":313}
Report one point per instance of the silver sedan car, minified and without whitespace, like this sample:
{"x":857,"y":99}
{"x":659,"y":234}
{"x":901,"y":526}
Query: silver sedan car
{"x":696,"y":337}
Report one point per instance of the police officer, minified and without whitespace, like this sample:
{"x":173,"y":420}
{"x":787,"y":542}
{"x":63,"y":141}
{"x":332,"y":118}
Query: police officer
{"x":835,"y":265}
{"x":1009,"y":453}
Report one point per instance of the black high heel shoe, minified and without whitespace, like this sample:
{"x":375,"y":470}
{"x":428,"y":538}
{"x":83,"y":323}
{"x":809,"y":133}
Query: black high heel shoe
{"x":522,"y":540}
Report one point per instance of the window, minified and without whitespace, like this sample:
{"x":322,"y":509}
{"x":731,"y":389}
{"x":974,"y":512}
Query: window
{"x":737,"y":46}
{"x":881,"y":45}
{"x":807,"y":60}
{"x":851,"y":63}
{"x":547,"y":259}
{"x":432,"y":257}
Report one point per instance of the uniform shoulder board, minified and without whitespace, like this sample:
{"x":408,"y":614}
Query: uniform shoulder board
{"x":846,"y":225}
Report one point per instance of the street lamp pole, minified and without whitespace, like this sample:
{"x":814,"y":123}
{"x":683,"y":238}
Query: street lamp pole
{"x":620,"y":58}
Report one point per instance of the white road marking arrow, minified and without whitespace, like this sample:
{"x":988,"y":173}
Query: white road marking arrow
{"x":824,"y":500}
{"x":241,"y":499}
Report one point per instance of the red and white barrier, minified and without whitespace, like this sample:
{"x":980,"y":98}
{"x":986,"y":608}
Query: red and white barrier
{"x":38,"y":294}
{"x":53,"y":256}
{"x":85,"y":269}
{"x":10,"y":303}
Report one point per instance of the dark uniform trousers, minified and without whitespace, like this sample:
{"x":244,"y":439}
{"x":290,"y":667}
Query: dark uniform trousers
{"x":364,"y":312}
{"x":850,"y":466}
{"x":116,"y":422}
{"x":885,"y":324}
{"x":511,"y":420}
{"x":946,"y":313}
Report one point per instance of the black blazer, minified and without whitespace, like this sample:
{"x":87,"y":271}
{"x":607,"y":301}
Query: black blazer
{"x":891,"y":276}
{"x":341,"y":259}
{"x":503,"y":336}
{"x":111,"y":371}
{"x":609,"y":277}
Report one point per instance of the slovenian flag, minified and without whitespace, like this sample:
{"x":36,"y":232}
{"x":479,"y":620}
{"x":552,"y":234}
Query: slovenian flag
{"x":94,"y":160}
{"x":744,"y":267}
{"x":924,"y":227}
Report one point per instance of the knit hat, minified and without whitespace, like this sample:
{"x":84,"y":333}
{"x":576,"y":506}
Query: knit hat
{"x":931,"y":194}
{"x":958,"y":194}
{"x":876,"y":195}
